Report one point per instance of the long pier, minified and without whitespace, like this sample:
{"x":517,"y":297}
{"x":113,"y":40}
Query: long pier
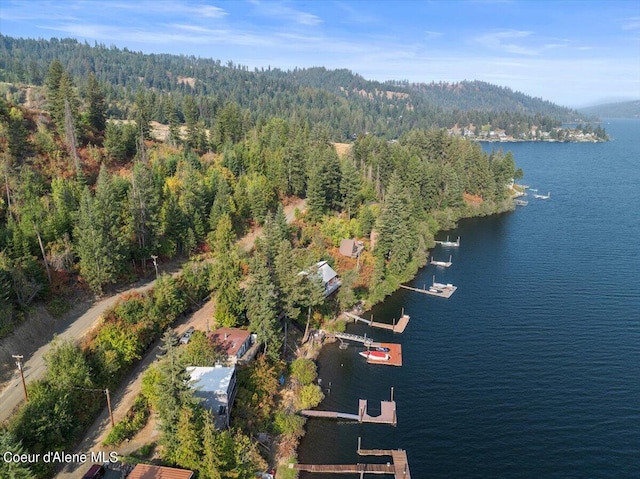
{"x":353,"y":337}
{"x":387,"y":415}
{"x":398,"y":327}
{"x":398,"y":468}
{"x":436,"y":289}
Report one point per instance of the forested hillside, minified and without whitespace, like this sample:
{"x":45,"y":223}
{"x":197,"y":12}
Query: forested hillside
{"x":625,"y":109}
{"x":345,"y":102}
{"x":89,"y":198}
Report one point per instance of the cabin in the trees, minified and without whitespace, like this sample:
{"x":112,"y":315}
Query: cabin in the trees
{"x":351,"y":248}
{"x":234,"y":343}
{"x":217,"y":386}
{"x":330,"y":279}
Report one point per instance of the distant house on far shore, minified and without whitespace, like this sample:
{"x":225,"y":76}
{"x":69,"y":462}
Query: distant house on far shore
{"x":351,"y":248}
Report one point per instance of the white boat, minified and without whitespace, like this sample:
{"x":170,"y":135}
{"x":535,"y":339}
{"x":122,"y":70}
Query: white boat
{"x":534,"y":189}
{"x":543,"y":197}
{"x":375,"y":355}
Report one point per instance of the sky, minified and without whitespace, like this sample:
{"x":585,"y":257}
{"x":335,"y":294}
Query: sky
{"x":573,"y":53}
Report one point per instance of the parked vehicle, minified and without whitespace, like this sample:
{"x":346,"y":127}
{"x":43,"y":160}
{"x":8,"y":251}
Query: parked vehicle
{"x":186,"y":337}
{"x":96,"y":471}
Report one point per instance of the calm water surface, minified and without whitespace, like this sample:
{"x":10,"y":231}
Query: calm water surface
{"x":532,"y":368}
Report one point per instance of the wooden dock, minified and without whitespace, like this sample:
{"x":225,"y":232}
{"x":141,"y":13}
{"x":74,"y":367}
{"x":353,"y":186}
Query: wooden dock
{"x":352,"y":337}
{"x":447,"y":243}
{"x":398,"y":468}
{"x":436,"y":289}
{"x":398,"y":327}
{"x":387,"y":415}
{"x":444,"y":264}
{"x":395,"y":354}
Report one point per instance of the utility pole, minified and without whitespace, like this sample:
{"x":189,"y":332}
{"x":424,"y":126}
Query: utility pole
{"x":106,"y":391}
{"x":155,"y":263}
{"x":18,"y":359}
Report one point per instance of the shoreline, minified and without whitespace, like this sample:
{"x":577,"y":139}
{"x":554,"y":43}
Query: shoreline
{"x":312,"y":350}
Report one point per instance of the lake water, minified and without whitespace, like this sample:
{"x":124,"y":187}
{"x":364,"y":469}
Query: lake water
{"x":532,"y":368}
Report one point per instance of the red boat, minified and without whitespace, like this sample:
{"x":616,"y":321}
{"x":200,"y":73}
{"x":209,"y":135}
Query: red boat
{"x":375,"y":355}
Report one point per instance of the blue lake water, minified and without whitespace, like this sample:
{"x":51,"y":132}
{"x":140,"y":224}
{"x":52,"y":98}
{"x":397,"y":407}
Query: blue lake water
{"x":532,"y":368}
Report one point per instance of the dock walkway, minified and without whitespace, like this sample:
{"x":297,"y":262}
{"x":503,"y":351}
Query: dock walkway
{"x":398,"y":327}
{"x":399,"y":468}
{"x":436,"y":289}
{"x":387,"y":415}
{"x":353,"y":337}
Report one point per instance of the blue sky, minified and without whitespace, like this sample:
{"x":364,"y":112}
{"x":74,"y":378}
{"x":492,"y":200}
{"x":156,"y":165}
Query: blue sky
{"x":574,"y":53}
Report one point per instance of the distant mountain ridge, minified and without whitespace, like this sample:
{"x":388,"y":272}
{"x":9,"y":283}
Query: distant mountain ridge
{"x":346,"y":101}
{"x":623,"y":109}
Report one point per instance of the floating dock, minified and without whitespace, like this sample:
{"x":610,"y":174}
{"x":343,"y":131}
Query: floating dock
{"x":387,"y":413}
{"x":398,"y":468}
{"x":449,"y":243}
{"x":398,"y":327}
{"x":395,"y":354}
{"x":444,"y":264}
{"x":436,"y":289}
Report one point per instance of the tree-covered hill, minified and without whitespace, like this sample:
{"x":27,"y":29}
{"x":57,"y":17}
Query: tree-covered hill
{"x":625,"y":109}
{"x":346,"y":102}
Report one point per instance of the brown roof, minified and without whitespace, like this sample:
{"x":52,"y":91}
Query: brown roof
{"x":148,"y":471}
{"x":231,"y":339}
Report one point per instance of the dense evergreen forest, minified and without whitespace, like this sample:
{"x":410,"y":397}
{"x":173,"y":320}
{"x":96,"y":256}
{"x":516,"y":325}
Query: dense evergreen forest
{"x":345,"y":102}
{"x":624,"y":109}
{"x":90,"y":196}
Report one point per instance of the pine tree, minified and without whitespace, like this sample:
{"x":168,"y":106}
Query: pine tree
{"x":350,"y":184}
{"x":316,"y":197}
{"x":262,"y":312}
{"x":226,"y":275}
{"x":96,"y":108}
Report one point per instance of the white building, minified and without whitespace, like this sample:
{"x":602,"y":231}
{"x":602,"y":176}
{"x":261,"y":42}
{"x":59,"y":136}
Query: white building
{"x":217,"y":386}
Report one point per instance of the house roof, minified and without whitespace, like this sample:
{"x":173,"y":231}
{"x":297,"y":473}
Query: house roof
{"x":231,"y":339}
{"x":347,"y":247}
{"x":149,"y":471}
{"x":326,"y":271}
{"x":211,"y":379}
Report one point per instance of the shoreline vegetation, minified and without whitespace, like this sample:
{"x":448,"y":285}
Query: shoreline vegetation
{"x":88,"y":204}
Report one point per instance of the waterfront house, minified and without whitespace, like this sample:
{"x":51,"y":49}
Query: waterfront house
{"x":234,"y":343}
{"x":217,"y":386}
{"x":330,"y":279}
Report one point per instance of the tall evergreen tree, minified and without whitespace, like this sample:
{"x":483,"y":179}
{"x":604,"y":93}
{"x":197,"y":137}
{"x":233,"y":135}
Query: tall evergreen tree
{"x":262,"y":312}
{"x":96,"y":107}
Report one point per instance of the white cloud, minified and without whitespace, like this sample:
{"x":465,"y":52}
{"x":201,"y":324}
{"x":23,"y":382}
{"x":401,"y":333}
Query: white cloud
{"x":632,"y":23}
{"x":505,"y":41}
{"x":282,"y":11}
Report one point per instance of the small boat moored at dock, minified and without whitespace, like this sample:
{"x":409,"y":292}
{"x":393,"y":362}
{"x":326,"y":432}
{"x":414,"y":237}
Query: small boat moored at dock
{"x":543,"y":197}
{"x":375,"y":355}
